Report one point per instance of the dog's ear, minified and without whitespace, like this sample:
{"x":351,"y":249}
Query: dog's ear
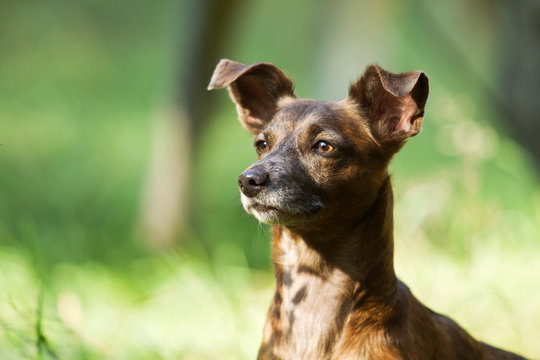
{"x":394,"y":103}
{"x":256,"y":89}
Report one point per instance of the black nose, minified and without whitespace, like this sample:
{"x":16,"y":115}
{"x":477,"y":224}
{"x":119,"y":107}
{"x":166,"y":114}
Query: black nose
{"x":252,"y":181}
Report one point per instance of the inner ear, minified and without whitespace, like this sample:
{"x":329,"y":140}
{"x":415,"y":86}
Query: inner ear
{"x":393,"y":102}
{"x":398,"y":115}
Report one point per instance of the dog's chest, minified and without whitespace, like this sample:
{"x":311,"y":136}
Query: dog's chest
{"x":314,"y":305}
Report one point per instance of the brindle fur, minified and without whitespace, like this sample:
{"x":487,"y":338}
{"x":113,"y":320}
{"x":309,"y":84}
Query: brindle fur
{"x":337,"y":296}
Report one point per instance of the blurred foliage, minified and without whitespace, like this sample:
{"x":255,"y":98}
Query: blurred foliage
{"x":80,"y":85}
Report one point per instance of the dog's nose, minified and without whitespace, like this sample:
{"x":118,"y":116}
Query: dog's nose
{"x":252,"y":181}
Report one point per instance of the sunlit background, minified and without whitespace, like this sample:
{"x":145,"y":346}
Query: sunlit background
{"x":121,"y":231}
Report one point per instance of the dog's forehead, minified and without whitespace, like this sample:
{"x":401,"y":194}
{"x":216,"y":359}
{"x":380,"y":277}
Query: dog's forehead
{"x":305,"y":112}
{"x":302,"y":110}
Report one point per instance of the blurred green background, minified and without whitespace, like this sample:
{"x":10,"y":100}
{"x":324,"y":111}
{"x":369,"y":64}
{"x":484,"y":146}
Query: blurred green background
{"x":121,"y":232}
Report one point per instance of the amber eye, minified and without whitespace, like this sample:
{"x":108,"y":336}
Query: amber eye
{"x":261,"y":146}
{"x":324,"y":147}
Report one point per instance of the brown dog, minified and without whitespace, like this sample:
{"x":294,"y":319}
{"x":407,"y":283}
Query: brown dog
{"x":322,"y":180}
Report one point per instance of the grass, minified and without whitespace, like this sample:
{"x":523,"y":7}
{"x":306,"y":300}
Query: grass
{"x":170,"y":307}
{"x":173,"y":306}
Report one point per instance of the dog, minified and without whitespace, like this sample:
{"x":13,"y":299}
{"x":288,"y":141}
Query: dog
{"x":322,"y":180}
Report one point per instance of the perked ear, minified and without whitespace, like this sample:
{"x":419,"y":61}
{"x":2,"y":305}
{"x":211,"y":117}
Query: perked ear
{"x":394,"y":103}
{"x":256,"y":89}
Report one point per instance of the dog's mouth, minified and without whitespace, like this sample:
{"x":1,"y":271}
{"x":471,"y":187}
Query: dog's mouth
{"x":281,"y":213}
{"x":261,"y":208}
{"x":264,"y":213}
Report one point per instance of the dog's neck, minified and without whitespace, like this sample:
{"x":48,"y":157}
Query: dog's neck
{"x":325,"y":276}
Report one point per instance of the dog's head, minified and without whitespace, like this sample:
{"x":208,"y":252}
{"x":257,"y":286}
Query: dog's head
{"x":319,"y":160}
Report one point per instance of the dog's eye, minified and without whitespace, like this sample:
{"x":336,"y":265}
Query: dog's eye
{"x":261,"y":146}
{"x":324,"y":147}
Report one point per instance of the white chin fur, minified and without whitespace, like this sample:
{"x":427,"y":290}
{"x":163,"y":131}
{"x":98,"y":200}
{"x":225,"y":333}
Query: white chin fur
{"x":267,"y":217}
